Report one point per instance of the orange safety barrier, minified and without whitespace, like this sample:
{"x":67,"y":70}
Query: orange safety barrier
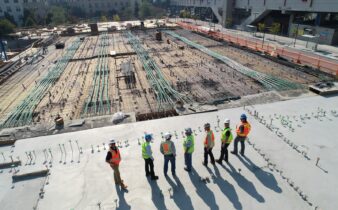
{"x":293,"y":55}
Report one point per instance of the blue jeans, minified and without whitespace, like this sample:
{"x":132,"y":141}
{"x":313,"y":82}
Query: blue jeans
{"x":172,"y":160}
{"x":188,"y":160}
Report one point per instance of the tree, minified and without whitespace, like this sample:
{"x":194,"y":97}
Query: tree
{"x":58,"y":15}
{"x":261,"y":27}
{"x":6,"y":27}
{"x":274,"y":29}
{"x":145,"y":10}
{"x":10,"y":18}
{"x":136,"y":10}
{"x":116,"y":18}
{"x":103,"y":18}
{"x":30,"y":22}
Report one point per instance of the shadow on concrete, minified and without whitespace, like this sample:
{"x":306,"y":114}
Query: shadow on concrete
{"x":266,"y":178}
{"x":178,"y":194}
{"x":156,"y":195}
{"x":123,"y":205}
{"x":245,"y":184}
{"x":227,"y":188}
{"x":202,"y":190}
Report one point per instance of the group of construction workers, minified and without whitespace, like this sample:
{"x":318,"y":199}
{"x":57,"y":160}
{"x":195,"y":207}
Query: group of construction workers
{"x":168,"y":149}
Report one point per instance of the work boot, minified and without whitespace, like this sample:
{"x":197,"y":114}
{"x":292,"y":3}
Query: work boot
{"x":243,"y":154}
{"x":204,"y":163}
{"x":147,"y":174}
{"x":233,"y":152}
{"x":154,"y":178}
{"x":185,"y":168}
{"x":219,"y":161}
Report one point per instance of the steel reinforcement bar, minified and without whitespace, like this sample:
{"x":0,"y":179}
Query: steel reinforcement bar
{"x":23,"y":113}
{"x":166,"y":96}
{"x":98,"y":102}
{"x":268,"y":81}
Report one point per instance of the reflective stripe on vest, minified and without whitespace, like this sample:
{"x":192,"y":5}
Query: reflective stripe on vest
{"x":210,"y":135}
{"x":144,"y":150}
{"x":192,"y":144}
{"x":224,"y":135}
{"x":247,"y":128}
{"x":115,"y":157}
{"x":166,"y":146}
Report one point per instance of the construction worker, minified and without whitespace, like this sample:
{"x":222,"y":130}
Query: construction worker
{"x":113,"y":158}
{"x":59,"y":123}
{"x":188,"y":146}
{"x":168,"y":149}
{"x":148,"y":157}
{"x":209,"y":143}
{"x":226,"y":139}
{"x":242,"y":131}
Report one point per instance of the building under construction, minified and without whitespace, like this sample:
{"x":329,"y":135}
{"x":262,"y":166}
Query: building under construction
{"x":149,"y":73}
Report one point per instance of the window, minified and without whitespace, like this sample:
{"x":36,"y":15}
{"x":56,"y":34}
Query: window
{"x":18,"y":9}
{"x":0,"y":9}
{"x":6,"y":1}
{"x":16,"y":1}
{"x":9,"y":9}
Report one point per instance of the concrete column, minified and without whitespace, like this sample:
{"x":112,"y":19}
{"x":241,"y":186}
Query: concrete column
{"x":227,"y":12}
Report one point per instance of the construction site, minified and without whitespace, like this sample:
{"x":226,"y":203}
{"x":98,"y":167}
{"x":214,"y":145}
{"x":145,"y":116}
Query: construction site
{"x":148,"y":72}
{"x":124,"y":80}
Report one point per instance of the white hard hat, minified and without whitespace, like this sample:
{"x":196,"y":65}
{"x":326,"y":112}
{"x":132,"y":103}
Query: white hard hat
{"x":227,"y":121}
{"x":167,"y":136}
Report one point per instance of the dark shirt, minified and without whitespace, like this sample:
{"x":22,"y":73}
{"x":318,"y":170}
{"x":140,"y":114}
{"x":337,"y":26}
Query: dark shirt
{"x":109,"y":156}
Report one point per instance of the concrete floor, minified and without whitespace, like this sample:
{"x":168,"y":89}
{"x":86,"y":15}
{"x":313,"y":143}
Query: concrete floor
{"x":273,"y":176}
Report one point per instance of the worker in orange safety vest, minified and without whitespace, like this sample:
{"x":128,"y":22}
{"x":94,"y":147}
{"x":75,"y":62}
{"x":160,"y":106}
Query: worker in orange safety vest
{"x":209,"y":143}
{"x":242,"y":131}
{"x":113,"y":158}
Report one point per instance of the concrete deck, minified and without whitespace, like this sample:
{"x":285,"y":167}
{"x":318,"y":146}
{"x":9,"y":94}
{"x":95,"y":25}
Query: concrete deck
{"x":279,"y":172}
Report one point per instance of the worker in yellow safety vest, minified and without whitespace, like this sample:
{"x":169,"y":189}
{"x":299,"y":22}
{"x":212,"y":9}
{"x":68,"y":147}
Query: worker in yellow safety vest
{"x":188,"y":146}
{"x":226,"y":139}
{"x":242,"y":131}
{"x":114,"y":158}
{"x":148,"y":157}
{"x":209,"y":143}
{"x":168,"y":150}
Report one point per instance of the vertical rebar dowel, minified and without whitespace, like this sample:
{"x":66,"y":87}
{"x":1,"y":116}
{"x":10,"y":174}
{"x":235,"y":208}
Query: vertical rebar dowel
{"x":31,"y":158}
{"x":317,"y":161}
{"x":3,"y":156}
{"x":44,"y":153}
{"x":27,"y":157}
{"x":51,"y":155}
{"x":92,"y":148}
{"x":64,"y":148}
{"x":11,"y":157}
{"x":104,"y":146}
{"x":98,"y":148}
{"x":78,"y":148}
{"x":71,"y":147}
{"x":61,"y":153}
{"x":34,"y":156}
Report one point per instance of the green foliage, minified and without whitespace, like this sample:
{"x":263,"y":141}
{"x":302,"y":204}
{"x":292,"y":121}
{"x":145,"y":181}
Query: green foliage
{"x":127,"y":13}
{"x":10,"y":18}
{"x":275,"y":28}
{"x":185,"y":14}
{"x":29,"y":22}
{"x":103,"y":18}
{"x":145,"y":10}
{"x":58,"y":15}
{"x":261,"y":27}
{"x":116,"y":18}
{"x":6,"y":27}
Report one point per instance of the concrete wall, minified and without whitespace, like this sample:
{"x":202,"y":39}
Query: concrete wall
{"x":326,"y":35}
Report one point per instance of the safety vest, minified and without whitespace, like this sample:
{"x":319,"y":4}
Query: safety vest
{"x":115,"y":157}
{"x":192,"y":144}
{"x":166,"y":147}
{"x":144,"y":150}
{"x":247,"y":128}
{"x":210,"y":135}
{"x":224,"y":136}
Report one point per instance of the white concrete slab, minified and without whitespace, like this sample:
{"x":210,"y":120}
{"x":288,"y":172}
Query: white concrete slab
{"x":85,"y":181}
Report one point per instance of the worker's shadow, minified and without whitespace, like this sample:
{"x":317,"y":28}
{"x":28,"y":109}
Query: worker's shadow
{"x":266,"y":178}
{"x":178,"y":194}
{"x":156,"y":194}
{"x":227,"y":188}
{"x":123,"y":205}
{"x":202,"y":190}
{"x":245,"y":184}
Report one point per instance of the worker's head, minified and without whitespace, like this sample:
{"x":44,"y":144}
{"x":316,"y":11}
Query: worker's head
{"x":207,"y":126}
{"x":167,"y":136}
{"x":148,"y":137}
{"x":227,"y":123}
{"x":243,"y":117}
{"x":188,"y":131}
{"x":112,"y":143}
